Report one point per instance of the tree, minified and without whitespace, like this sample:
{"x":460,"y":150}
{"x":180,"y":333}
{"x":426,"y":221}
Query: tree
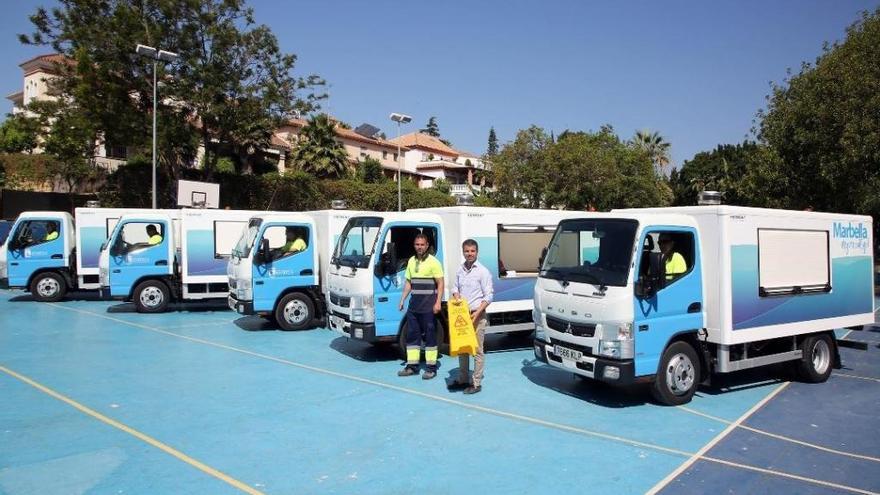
{"x":431,"y":129}
{"x":492,"y":148}
{"x":318,"y":151}
{"x":370,"y":171}
{"x":655,"y":146}
{"x":822,"y":122}
{"x":229,"y":89}
{"x":441,"y":185}
{"x":19,"y":134}
{"x":519,"y":172}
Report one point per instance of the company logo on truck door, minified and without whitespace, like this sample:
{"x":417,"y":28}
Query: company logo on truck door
{"x":853,"y":237}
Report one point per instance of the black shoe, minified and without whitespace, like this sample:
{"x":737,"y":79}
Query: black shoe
{"x":457,"y":385}
{"x":473,"y":390}
{"x":407,"y":372}
{"x":428,"y":375}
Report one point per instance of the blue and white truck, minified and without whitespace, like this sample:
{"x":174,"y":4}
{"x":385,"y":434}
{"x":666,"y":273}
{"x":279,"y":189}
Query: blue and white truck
{"x":367,"y":269}
{"x":51,"y":252}
{"x":285,"y":286}
{"x":189,"y":261}
{"x":761,"y":286}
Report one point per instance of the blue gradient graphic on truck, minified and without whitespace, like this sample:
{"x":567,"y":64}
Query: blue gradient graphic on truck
{"x":90,"y":240}
{"x":851,"y":292}
{"x":200,"y":254}
{"x":506,"y":289}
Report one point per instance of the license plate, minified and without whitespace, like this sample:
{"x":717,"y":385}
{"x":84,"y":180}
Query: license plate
{"x":567,"y":353}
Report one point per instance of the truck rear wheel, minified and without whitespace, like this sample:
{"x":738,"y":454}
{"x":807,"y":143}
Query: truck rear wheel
{"x":678,"y":375}
{"x":151,"y":296}
{"x":48,"y":287}
{"x":815,"y":366}
{"x":295,"y":311}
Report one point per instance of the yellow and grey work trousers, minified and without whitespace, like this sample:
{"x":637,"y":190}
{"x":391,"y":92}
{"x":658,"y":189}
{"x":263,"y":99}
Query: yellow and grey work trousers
{"x":420,"y":328}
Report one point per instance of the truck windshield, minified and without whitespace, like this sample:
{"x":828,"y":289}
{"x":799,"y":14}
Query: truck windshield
{"x":594,"y":251}
{"x":244,"y":245}
{"x":357,"y":242}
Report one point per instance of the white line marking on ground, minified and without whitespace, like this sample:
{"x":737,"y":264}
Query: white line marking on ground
{"x":135,"y":433}
{"x":857,"y":377}
{"x":527,"y":419}
{"x":732,"y":426}
{"x":781,"y":437}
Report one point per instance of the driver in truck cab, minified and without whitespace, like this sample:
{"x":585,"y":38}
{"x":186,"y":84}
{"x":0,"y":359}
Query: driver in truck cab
{"x":675,"y":263}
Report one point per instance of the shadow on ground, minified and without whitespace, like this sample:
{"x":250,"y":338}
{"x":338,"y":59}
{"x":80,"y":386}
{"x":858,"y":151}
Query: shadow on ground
{"x":592,"y":391}
{"x":363,"y":351}
{"x":186,"y":307}
{"x":70,"y":296}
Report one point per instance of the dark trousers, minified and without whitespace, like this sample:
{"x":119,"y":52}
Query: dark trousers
{"x":420,"y":328}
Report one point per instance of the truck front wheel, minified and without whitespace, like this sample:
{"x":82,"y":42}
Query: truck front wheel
{"x":151,"y":296}
{"x":48,"y":287}
{"x":295,"y":311}
{"x":678,"y":375}
{"x":815,"y":366}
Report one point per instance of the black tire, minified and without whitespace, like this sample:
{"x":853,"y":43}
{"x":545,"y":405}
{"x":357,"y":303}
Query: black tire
{"x":440,"y":332}
{"x":295,"y":311}
{"x":677,"y":376}
{"x":818,"y":360}
{"x":151,"y":296}
{"x":48,"y":287}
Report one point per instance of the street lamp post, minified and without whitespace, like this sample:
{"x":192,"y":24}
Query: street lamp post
{"x":400,"y":119}
{"x":156,"y":55}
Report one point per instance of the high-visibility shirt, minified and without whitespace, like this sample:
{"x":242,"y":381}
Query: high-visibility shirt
{"x":156,"y":239}
{"x":294,"y":246}
{"x":422,"y":275}
{"x":675,"y":265}
{"x":52,"y":236}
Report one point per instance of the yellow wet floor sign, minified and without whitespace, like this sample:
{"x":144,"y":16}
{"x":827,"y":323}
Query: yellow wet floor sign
{"x":462,"y":337}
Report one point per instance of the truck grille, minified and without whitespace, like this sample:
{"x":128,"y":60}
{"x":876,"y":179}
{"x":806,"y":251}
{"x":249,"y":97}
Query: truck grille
{"x":576,"y":329}
{"x":340,"y":300}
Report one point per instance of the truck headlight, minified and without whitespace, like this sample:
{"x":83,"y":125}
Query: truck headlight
{"x":610,"y":348}
{"x":540,"y":333}
{"x":243,"y":292}
{"x":625,"y":331}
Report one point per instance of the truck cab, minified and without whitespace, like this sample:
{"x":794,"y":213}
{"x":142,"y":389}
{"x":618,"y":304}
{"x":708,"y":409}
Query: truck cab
{"x":38,"y":254}
{"x":274,"y":271}
{"x":367,"y":273}
{"x":140,"y":259}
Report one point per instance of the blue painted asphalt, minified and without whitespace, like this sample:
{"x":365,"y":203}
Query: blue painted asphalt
{"x":313,"y":412}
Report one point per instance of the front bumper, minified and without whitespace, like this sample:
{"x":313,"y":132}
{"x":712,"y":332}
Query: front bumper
{"x":341,"y":323}
{"x":589,"y":365}
{"x":241,"y":307}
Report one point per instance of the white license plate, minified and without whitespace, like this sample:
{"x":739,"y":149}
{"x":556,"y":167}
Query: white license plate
{"x":567,"y":353}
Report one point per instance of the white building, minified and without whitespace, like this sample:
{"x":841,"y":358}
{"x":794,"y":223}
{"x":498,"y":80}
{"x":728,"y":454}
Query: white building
{"x":435,"y":159}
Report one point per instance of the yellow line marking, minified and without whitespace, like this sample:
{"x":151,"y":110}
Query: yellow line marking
{"x":782,"y":437}
{"x":131,"y":431}
{"x":693,"y":457}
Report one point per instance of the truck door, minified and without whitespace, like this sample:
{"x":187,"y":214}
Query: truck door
{"x":133,"y":255}
{"x":290,"y":262}
{"x":396,"y":242}
{"x":34,"y":244}
{"x":677,"y":305}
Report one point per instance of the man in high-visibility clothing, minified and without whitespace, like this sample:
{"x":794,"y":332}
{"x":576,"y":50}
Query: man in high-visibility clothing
{"x":153,"y":234}
{"x":675,"y":263}
{"x":424,"y":279}
{"x":294,"y":243}
{"x":51,"y":232}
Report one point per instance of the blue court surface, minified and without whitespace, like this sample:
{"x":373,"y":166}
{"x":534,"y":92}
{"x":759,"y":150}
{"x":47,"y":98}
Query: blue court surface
{"x":95,"y":398}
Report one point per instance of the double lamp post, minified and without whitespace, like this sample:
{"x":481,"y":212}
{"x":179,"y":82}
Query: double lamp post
{"x":156,"y":55}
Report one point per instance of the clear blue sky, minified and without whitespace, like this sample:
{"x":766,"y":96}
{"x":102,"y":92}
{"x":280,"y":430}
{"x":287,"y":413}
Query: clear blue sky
{"x":694,"y":71}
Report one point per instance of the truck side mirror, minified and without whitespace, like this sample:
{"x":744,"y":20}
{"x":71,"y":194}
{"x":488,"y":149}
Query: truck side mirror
{"x":542,"y":258}
{"x":262,"y":254}
{"x":388,"y":261}
{"x":648,"y":284}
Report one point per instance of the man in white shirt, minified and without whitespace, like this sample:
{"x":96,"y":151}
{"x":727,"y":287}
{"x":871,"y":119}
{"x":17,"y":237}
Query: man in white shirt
{"x":473,"y":282}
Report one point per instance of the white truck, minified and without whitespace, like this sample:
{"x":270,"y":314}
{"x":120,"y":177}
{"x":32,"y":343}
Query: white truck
{"x":367,"y":269}
{"x":289,"y":287}
{"x":50,"y":266}
{"x":761,"y":286}
{"x":189,"y":263}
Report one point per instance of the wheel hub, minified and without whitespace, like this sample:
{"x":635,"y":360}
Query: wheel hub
{"x":821,"y":356}
{"x":680,"y":374}
{"x":48,"y":287}
{"x":295,"y":312}
{"x":152,"y":297}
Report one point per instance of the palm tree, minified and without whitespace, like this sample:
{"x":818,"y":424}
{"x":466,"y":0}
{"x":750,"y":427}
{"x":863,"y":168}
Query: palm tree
{"x":319,"y":152}
{"x":656,"y":147}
